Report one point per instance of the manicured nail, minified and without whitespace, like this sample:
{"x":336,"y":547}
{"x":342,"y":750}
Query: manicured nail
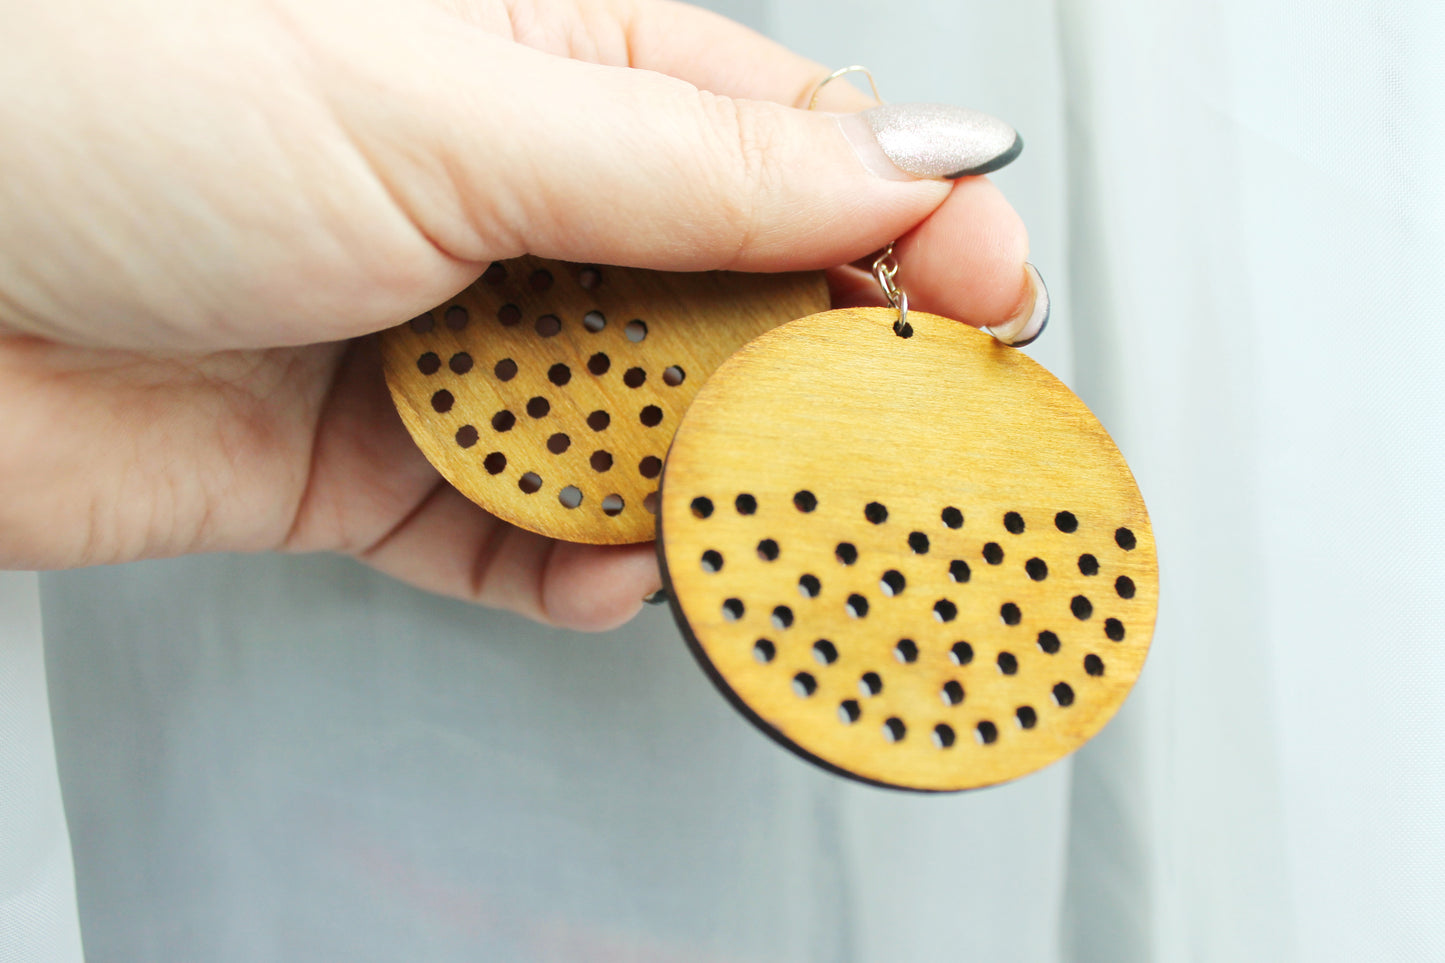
{"x":1026,"y":326}
{"x":657,"y":598}
{"x":906,"y":141}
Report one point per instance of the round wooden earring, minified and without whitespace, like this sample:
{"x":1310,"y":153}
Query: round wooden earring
{"x":548,"y":392}
{"x":920,"y":562}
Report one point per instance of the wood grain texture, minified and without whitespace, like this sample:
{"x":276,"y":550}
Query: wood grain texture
{"x":502,"y":386}
{"x":975,"y":633}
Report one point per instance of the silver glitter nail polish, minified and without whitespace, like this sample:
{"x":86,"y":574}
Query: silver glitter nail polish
{"x":938,"y":140}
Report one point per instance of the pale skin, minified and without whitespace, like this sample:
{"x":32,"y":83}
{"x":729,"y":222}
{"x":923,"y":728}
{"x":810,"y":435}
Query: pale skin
{"x":205,"y":208}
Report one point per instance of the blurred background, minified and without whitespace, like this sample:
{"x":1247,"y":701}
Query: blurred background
{"x":1239,"y":207}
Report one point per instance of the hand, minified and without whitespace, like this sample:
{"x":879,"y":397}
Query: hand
{"x":200,"y":203}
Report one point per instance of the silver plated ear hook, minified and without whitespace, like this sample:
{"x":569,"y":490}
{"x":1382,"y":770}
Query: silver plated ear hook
{"x":1015,"y":333}
{"x":885,"y":266}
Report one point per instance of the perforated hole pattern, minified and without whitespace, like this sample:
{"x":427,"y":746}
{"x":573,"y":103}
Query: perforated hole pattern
{"x":538,"y":472}
{"x":1010,"y":671}
{"x":553,"y":388}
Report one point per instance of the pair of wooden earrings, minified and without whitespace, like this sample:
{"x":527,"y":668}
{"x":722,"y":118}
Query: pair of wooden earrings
{"x":919,"y":561}
{"x":902,"y":549}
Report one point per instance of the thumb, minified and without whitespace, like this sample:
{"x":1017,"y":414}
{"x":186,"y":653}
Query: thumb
{"x":541,"y":154}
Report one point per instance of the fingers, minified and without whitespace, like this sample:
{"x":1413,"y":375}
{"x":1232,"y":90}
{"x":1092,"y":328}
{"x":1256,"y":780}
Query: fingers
{"x":450,"y":546}
{"x":723,"y":56}
{"x":966,"y":261}
{"x":703,"y":48}
{"x":596,"y":587}
{"x":589,"y":163}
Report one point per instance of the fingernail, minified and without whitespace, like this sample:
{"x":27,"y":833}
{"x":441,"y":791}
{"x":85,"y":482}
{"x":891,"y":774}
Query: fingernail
{"x":907,"y":141}
{"x":1025,"y":327}
{"x":657,"y":598}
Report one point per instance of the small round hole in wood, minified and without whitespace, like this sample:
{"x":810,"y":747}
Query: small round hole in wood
{"x":952,"y":693}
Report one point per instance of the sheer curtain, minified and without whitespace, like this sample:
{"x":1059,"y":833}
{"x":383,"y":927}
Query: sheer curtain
{"x":1240,"y":212}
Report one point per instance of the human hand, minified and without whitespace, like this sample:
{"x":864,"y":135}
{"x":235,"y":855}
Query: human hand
{"x":200,"y":203}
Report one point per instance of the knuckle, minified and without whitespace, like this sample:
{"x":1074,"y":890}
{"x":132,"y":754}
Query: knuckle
{"x":745,"y":140}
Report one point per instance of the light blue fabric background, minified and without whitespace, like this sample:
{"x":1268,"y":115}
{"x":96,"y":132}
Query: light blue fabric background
{"x":1240,"y":209}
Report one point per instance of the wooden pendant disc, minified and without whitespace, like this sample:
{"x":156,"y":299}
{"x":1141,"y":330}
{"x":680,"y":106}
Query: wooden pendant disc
{"x":548,"y":392}
{"x":920,"y":562}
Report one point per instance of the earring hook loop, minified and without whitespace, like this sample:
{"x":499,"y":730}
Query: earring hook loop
{"x":843,"y":72}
